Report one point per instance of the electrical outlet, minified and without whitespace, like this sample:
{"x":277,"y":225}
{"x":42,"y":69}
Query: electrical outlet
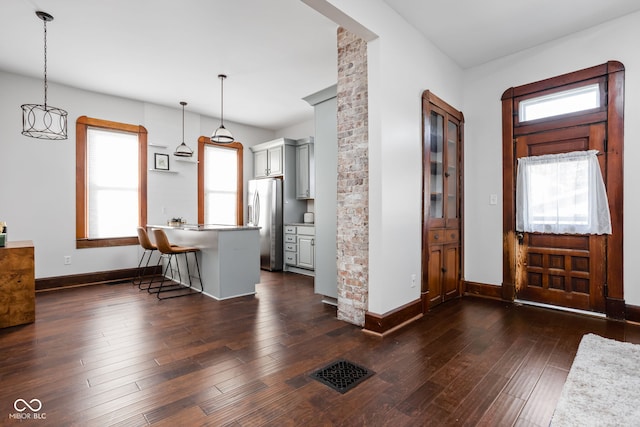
{"x":413,"y":280}
{"x":493,"y":199}
{"x":67,"y":260}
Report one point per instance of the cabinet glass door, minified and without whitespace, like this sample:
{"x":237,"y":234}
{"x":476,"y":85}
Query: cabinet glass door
{"x":452,"y":170}
{"x":436,"y":159}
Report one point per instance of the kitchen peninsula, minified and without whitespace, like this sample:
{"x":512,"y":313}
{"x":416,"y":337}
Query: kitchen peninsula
{"x":229,"y":256}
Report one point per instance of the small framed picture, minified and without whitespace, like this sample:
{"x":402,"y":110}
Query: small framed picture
{"x":161,"y":161}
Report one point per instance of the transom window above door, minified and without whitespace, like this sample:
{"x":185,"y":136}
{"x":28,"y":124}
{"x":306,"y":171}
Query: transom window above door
{"x":559,"y":103}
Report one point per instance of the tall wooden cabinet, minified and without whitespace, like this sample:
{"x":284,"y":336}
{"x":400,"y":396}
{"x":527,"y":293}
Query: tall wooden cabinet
{"x":442,"y":201}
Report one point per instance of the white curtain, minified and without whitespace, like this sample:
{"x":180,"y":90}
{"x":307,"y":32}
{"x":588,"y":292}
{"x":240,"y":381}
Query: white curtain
{"x":562,"y":194}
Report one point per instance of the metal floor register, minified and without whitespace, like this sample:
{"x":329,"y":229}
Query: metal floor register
{"x":342,"y":375}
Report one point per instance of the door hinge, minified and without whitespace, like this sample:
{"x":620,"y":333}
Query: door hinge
{"x":606,"y":290}
{"x":606,"y":143}
{"x":515,"y":140}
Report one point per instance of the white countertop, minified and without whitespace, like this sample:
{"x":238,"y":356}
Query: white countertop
{"x":205,"y":227}
{"x":301,"y":224}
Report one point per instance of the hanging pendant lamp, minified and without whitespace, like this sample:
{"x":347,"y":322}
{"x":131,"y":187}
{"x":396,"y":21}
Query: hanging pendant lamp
{"x":183,"y":149}
{"x":44,"y":121}
{"x":222,"y":135}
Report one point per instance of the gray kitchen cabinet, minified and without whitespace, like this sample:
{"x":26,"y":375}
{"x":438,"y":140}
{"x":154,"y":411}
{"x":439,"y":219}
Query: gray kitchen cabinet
{"x":306,"y":247}
{"x":326,"y":181}
{"x":305,"y":170}
{"x":268,"y":162}
{"x":299,"y":247}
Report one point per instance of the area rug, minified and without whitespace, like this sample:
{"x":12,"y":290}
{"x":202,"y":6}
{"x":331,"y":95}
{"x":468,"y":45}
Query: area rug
{"x":603,"y":385}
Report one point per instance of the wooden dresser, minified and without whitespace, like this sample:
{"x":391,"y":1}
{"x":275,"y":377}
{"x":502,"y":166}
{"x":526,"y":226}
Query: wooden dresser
{"x":17,"y":284}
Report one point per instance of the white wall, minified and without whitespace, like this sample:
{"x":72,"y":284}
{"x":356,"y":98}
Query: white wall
{"x":301,"y":130}
{"x":401,"y":65}
{"x":37,"y":177}
{"x":483,"y":88}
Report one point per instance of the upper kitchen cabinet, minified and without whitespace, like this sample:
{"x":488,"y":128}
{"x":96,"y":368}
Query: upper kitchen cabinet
{"x":269,"y":158}
{"x":305,"y":169}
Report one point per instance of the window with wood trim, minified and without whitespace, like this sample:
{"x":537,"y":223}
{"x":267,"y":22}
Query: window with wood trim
{"x":111,"y":182}
{"x":220,"y":182}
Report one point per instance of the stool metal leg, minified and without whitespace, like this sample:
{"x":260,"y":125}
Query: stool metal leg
{"x":195,"y":255}
{"x":162,"y":287}
{"x":143,"y":272}
{"x":181,"y":286}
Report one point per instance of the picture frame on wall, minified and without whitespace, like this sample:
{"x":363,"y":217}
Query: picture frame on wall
{"x":161,"y":161}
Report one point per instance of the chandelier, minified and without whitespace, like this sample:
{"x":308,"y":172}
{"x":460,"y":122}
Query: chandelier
{"x":222,"y":135}
{"x":44,"y":121}
{"x":183,"y":149}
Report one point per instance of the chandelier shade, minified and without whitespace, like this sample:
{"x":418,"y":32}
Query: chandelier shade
{"x":183,"y":150}
{"x":41,"y":120}
{"x":44,"y":122}
{"x":222,"y":135}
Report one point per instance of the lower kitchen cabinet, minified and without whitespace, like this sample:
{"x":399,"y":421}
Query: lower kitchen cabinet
{"x":306,"y":251}
{"x":299,"y":247}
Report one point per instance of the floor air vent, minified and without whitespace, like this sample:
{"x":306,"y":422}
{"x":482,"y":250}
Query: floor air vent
{"x":342,"y":375}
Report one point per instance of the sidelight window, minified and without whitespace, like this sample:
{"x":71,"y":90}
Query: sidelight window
{"x":562,"y":194}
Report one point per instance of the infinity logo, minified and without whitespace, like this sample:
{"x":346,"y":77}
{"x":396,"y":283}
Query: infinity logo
{"x":37,"y":405}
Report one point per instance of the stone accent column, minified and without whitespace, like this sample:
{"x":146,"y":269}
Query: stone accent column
{"x":353,"y":179}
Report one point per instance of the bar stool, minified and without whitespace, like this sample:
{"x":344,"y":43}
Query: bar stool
{"x":149,"y":249}
{"x":172,"y":252}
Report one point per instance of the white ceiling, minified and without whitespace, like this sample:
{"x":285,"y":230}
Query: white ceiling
{"x":274,"y":52}
{"x":473,"y":32}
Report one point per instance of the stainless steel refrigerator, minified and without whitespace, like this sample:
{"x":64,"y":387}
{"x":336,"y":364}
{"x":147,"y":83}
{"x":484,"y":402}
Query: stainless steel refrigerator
{"x":265,"y":211}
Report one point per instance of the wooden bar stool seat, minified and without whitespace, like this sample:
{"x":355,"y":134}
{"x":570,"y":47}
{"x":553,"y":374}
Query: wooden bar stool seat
{"x":171,"y":252}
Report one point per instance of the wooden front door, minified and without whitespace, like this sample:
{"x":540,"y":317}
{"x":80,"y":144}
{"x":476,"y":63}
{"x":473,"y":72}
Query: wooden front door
{"x":562,"y":269}
{"x":579,"y":271}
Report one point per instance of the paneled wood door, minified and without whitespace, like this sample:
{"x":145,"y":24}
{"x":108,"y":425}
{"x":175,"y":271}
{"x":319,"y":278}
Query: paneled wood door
{"x":578,"y":271}
{"x":561,"y":269}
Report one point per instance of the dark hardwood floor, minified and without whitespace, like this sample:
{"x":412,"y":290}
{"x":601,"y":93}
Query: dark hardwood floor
{"x":112,"y":355}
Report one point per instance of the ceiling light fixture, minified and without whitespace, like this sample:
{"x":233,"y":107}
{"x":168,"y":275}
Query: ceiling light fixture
{"x":44,"y":121}
{"x":183,"y":149}
{"x":222,"y":135}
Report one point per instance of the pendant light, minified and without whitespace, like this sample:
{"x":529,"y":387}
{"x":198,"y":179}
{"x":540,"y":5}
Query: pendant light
{"x":183,"y":149}
{"x":222,"y":135}
{"x":44,"y":121}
